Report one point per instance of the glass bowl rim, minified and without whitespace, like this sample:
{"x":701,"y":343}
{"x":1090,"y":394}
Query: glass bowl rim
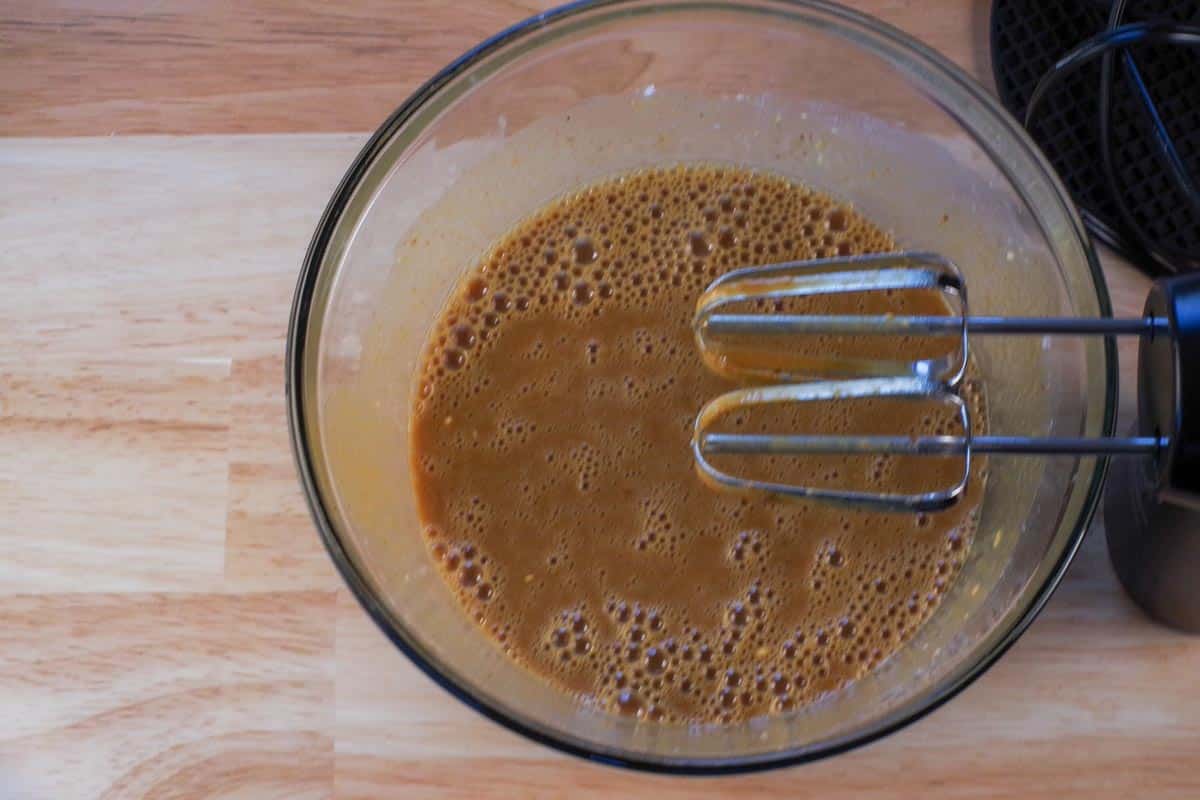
{"x":394,"y":630}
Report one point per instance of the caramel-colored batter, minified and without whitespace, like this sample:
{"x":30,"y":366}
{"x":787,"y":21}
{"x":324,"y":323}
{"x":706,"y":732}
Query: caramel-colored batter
{"x":556,"y":485}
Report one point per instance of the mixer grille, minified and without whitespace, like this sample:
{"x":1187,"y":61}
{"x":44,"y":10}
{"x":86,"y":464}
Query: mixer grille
{"x":1028,"y":36}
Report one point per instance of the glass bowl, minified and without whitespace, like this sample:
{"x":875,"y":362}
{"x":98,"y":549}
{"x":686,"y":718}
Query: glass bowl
{"x":805,"y":89}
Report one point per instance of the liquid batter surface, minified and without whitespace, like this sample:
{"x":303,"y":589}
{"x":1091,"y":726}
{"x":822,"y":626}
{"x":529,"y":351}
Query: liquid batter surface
{"x":555,"y":481}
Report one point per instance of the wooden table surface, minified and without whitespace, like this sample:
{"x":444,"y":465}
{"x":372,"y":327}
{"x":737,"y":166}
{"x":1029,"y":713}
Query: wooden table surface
{"x":170,"y":626}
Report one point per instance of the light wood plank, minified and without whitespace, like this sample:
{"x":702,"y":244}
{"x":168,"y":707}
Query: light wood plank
{"x":113,"y":475}
{"x":152,"y":695}
{"x":270,"y":541}
{"x":158,"y":247}
{"x":85,"y":67}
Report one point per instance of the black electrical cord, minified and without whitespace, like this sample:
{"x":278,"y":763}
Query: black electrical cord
{"x":1165,"y":255}
{"x":1162,"y":137}
{"x":1123,"y":37}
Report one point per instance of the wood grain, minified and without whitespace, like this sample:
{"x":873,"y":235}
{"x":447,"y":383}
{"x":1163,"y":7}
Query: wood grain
{"x":170,"y":626}
{"x":167,"y":695}
{"x":167,"y":616}
{"x":105,"y":68}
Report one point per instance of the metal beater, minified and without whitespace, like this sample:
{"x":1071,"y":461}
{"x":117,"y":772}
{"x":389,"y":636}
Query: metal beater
{"x":1169,"y":374}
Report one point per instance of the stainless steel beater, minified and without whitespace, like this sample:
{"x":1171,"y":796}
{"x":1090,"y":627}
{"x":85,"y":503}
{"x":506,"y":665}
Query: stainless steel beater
{"x":1169,"y":374}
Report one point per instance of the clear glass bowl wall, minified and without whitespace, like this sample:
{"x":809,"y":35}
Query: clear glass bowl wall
{"x":803,"y":89}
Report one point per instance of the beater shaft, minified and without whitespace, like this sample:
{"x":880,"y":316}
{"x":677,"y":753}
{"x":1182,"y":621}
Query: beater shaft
{"x":792,"y":444}
{"x":897,"y":325}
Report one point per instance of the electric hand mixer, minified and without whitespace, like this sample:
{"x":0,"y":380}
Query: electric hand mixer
{"x":1153,"y":533}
